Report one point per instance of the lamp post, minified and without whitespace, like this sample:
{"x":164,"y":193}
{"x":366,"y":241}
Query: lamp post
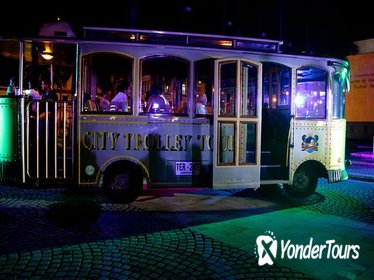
{"x":49,"y":56}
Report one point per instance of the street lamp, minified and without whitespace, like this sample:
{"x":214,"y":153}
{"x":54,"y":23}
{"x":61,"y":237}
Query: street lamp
{"x":47,"y":55}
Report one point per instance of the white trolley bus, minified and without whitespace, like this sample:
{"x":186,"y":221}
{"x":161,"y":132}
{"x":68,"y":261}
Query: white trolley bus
{"x":268,"y":117}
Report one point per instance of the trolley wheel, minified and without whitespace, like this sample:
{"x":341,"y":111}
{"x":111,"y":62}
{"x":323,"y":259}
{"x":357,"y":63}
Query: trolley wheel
{"x":304,"y":182}
{"x":122,"y":184}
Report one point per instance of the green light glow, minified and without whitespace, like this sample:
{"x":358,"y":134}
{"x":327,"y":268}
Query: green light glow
{"x":8,"y":129}
{"x":343,"y":73}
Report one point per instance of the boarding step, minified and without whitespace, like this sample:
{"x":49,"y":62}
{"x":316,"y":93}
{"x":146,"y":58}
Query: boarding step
{"x":270,"y":171}
{"x":265,"y":157}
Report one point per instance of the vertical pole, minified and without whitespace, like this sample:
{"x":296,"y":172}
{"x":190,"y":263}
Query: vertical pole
{"x":52,"y":74}
{"x":22,"y":116}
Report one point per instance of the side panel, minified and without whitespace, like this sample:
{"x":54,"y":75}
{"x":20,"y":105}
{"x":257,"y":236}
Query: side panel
{"x":321,"y":142}
{"x":337,"y":137}
{"x":173,"y":153}
{"x":310,"y":143}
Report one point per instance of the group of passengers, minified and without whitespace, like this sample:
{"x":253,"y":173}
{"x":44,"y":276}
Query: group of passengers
{"x":119,"y":103}
{"x":154,"y":102}
{"x":157,"y":103}
{"x":44,"y":93}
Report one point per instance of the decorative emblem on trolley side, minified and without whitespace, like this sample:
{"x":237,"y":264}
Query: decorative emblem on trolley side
{"x":90,"y":170}
{"x":310,"y":143}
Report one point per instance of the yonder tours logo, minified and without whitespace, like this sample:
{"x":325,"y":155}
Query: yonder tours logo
{"x":267,"y":246}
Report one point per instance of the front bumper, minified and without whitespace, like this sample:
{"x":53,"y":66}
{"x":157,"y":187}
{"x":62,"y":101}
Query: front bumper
{"x":339,"y":175}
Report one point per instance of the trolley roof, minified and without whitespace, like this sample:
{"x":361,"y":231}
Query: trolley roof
{"x":181,"y":39}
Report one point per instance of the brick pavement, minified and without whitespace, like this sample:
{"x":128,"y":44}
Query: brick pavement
{"x":131,"y":242}
{"x":126,"y":242}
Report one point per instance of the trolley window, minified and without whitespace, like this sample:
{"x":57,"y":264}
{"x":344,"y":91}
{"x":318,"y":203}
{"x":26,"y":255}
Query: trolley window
{"x":276,"y":85}
{"x":249,"y":89}
{"x":227,"y":98}
{"x":339,"y":89}
{"x":204,"y":77}
{"x":311,"y":88}
{"x":9,"y":61}
{"x":170,"y":75}
{"x":106,"y":75}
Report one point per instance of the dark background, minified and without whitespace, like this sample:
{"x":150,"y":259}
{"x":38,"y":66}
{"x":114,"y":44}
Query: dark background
{"x":312,"y":27}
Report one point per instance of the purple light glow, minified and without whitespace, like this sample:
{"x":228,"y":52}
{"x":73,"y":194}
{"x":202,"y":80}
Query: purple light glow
{"x":364,"y":155}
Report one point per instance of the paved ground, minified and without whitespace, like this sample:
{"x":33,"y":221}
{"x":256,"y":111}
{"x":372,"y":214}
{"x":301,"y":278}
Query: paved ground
{"x":184,"y":234}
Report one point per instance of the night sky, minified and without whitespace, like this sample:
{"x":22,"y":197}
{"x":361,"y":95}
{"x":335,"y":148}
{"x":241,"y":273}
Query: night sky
{"x":313,"y":27}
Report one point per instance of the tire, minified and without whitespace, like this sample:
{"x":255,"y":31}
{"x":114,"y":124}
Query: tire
{"x":304,"y":182}
{"x":123,"y":184}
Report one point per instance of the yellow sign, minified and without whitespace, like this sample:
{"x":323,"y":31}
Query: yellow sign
{"x":360,"y":100}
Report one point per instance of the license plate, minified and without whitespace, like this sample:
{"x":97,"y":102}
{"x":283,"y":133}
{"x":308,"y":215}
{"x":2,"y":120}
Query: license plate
{"x":187,"y":168}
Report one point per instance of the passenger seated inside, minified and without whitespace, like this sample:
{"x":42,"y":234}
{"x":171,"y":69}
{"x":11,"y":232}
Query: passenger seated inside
{"x":90,"y":105}
{"x":11,"y":90}
{"x":157,"y":103}
{"x":33,"y":94}
{"x":120,"y":102}
{"x":182,"y":109}
{"x":105,"y":101}
{"x":202,"y":100}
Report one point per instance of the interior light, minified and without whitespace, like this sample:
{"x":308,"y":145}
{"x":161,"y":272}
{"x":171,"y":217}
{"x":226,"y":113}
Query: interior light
{"x":226,"y":43}
{"x":47,"y":55}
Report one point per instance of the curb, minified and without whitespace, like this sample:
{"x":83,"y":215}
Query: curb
{"x":361,"y":177}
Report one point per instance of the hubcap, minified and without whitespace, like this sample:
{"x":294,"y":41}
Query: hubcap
{"x":121,"y":182}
